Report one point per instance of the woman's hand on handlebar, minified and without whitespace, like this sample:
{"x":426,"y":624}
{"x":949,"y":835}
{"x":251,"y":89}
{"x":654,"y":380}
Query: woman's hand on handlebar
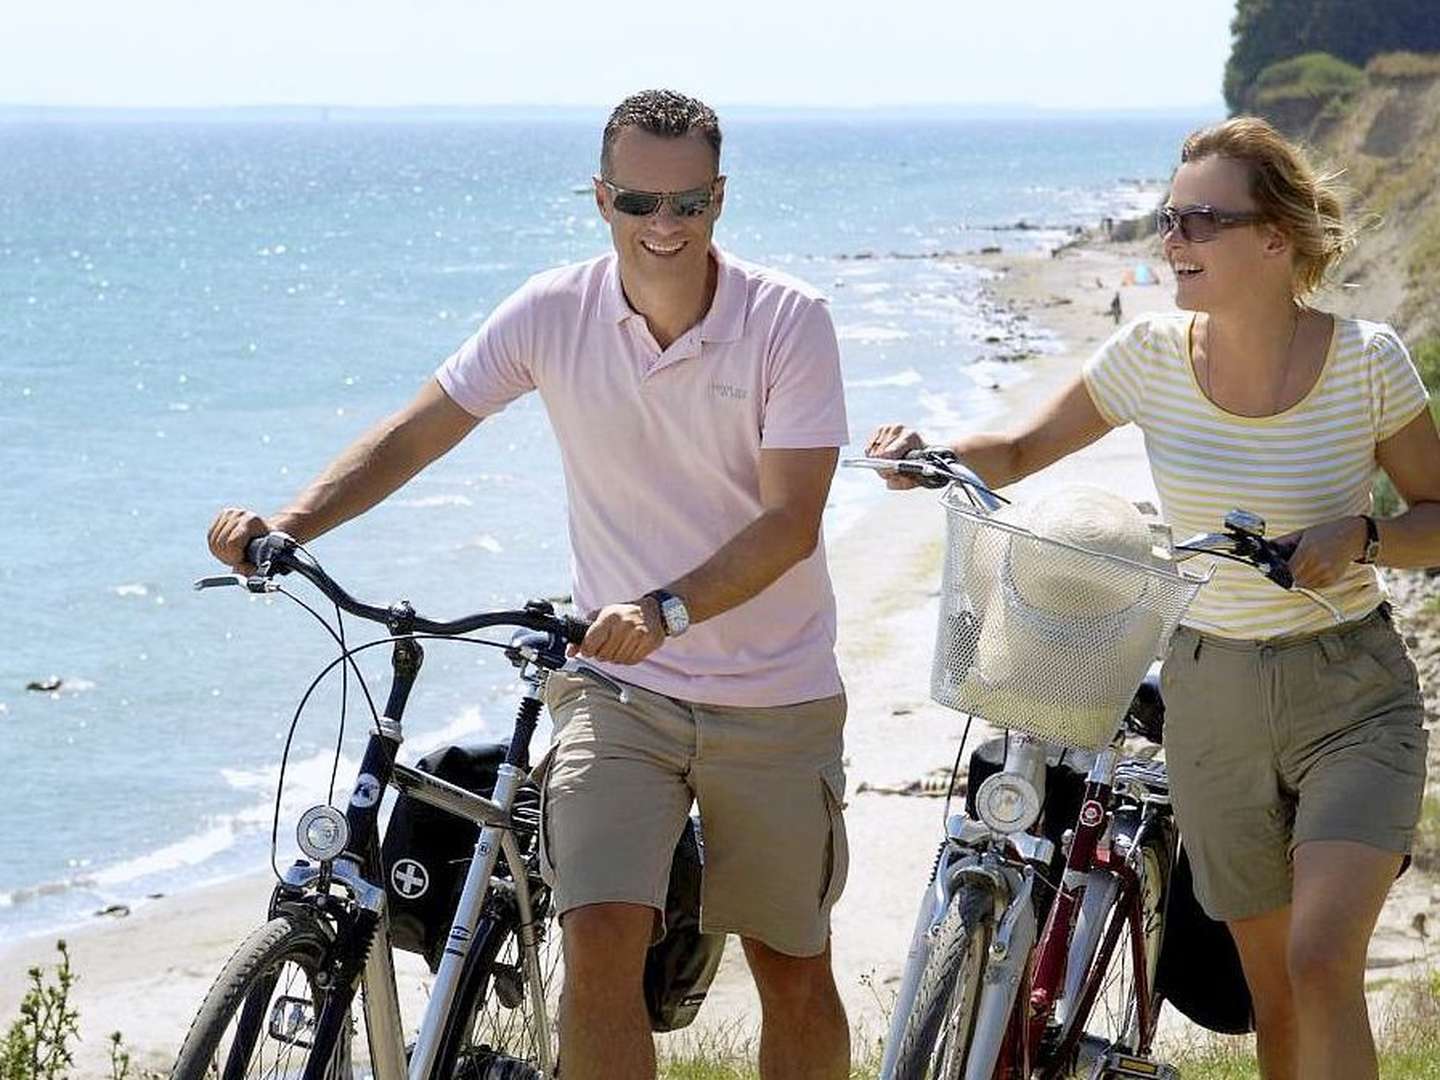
{"x":895,"y":441}
{"x":230,"y":532}
{"x":623,"y":633}
{"x":1322,"y":553}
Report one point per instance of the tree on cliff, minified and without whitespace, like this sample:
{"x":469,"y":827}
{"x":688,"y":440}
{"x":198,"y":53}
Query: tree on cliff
{"x":1265,"y":31}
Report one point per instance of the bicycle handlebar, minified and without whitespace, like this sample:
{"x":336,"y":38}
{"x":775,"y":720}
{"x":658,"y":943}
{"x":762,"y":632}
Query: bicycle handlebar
{"x":1243,"y":539}
{"x":276,"y":553}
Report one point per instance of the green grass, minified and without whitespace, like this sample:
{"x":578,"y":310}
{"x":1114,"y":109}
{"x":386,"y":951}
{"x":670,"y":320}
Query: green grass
{"x":1313,"y":76}
{"x":1408,"y":1038}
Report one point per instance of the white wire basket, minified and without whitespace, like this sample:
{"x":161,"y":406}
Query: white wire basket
{"x":1043,"y":636}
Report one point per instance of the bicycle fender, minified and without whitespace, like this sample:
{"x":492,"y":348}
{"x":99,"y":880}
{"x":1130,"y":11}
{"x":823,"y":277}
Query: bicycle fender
{"x":1015,"y":938}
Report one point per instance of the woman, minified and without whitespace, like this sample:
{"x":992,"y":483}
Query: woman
{"x":1295,"y":747}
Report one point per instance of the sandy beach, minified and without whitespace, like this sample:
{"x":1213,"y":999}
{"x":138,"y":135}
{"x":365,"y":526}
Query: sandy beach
{"x":144,"y":974}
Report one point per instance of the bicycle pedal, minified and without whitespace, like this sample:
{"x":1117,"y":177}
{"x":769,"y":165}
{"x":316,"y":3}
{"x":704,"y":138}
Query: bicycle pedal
{"x":1120,"y":1066}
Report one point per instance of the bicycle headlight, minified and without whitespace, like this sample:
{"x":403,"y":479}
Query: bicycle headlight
{"x":322,"y":833}
{"x":1007,"y":802}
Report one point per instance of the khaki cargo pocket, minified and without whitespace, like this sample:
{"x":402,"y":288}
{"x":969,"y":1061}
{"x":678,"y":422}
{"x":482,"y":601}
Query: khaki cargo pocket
{"x":837,"y":848}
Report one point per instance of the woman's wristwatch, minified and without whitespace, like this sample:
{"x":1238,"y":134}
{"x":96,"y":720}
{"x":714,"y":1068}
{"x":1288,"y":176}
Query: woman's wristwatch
{"x":1371,"y":550}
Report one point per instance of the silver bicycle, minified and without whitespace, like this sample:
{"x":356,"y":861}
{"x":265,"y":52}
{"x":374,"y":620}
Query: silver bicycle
{"x":286,"y":1003}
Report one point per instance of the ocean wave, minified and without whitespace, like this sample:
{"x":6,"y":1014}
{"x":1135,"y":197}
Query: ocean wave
{"x":424,"y":502}
{"x":908,"y":377}
{"x":871,"y":334}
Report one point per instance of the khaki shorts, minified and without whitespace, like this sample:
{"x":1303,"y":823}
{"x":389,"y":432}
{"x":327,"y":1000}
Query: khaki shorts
{"x":770,"y":784}
{"x":1273,"y":743}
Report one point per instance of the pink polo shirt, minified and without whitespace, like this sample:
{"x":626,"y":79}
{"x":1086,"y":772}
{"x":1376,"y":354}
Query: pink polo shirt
{"x":662,"y":456}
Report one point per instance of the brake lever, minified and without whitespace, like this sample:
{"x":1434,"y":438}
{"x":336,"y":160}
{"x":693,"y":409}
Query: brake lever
{"x":219,"y":580}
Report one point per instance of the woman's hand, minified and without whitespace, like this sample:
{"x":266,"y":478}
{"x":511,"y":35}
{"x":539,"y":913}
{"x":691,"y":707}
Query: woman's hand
{"x":1324,"y":552}
{"x":895,"y":441}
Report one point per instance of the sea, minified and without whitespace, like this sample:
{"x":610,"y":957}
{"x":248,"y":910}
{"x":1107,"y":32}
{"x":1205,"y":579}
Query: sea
{"x":199,"y":310}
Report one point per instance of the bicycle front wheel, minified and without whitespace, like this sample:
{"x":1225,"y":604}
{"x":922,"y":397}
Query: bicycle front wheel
{"x":258,"y":1020}
{"x":940,"y":1027}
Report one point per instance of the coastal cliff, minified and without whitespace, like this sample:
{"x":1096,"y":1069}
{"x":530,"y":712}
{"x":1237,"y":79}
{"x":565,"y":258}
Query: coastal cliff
{"x":1386,"y":135}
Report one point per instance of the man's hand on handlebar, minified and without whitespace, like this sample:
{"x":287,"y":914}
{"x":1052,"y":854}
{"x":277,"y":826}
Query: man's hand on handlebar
{"x":1322,"y":553}
{"x":623,"y":633}
{"x":230,"y":532}
{"x":895,"y":441}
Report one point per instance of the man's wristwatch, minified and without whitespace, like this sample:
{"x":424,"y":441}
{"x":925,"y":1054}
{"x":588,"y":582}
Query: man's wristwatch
{"x":673,"y":612}
{"x":1372,"y":541}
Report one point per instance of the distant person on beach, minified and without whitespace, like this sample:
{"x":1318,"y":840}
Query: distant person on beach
{"x":698,"y":405}
{"x":1295,"y":747}
{"x":1115,"y":308}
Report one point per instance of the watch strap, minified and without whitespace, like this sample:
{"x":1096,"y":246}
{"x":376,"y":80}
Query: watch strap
{"x":1371,"y":550}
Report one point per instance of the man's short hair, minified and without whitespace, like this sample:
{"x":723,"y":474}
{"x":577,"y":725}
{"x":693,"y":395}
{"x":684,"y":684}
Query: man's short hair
{"x":666,"y":113}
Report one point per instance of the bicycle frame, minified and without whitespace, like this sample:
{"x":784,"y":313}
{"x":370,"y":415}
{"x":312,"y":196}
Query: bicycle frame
{"x":357,"y":869}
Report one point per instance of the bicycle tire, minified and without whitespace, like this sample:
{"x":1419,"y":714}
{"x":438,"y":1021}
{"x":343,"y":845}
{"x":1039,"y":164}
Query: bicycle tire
{"x":1107,"y":1001}
{"x":259,"y":990}
{"x":493,"y":1035}
{"x":940,"y":1025}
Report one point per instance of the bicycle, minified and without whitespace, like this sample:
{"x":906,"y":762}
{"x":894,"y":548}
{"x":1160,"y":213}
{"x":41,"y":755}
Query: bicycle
{"x":1036,"y":948}
{"x":283,"y":1005}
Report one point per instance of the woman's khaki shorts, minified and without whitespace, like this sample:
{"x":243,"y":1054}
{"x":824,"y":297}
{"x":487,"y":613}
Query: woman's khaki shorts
{"x":769,"y":782}
{"x":1273,"y":743}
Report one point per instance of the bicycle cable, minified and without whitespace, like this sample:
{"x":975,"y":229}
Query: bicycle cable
{"x":347,"y":659}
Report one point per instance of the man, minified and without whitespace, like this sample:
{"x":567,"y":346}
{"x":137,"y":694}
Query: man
{"x":698,"y":405}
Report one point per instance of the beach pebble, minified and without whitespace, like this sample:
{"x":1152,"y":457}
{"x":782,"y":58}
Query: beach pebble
{"x":44,"y":686}
{"x":118,"y":911}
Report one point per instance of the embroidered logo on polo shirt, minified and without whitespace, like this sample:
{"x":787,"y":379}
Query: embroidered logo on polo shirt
{"x":725,"y":390}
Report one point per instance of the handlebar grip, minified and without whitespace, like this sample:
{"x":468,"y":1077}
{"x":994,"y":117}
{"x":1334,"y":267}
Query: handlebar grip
{"x":575,"y":629}
{"x":266,"y":548}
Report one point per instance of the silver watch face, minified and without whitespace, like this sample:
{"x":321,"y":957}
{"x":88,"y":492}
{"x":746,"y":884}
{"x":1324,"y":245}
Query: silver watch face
{"x":675,"y":616}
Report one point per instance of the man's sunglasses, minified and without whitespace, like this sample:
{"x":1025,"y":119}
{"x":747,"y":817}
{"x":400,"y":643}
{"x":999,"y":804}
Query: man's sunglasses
{"x":685,"y":204}
{"x":1199,"y":224}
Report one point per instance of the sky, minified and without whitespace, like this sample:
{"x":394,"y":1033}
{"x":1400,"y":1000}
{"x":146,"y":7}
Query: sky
{"x":1097,"y":54}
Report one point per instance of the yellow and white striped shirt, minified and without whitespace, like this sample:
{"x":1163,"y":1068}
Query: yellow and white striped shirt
{"x":1311,"y":463}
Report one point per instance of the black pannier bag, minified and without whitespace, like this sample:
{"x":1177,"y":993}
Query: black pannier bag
{"x":436,"y":847}
{"x":680,"y":967}
{"x":1199,"y":969}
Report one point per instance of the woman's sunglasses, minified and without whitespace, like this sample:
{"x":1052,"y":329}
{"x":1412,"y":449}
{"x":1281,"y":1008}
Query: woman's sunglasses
{"x":685,"y":204}
{"x":1199,"y":224}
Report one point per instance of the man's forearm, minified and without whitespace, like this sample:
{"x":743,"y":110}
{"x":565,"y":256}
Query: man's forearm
{"x":747,"y":563}
{"x":364,"y":474}
{"x":376,"y":464}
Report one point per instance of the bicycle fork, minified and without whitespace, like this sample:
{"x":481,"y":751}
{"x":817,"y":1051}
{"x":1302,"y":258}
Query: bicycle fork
{"x":1015,"y":932}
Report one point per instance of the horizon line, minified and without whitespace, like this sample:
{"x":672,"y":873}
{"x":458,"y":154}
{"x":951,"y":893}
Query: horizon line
{"x":571,"y":107}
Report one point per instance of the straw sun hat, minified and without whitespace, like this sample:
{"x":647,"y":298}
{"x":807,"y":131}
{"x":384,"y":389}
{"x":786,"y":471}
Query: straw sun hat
{"x":1063,"y":630}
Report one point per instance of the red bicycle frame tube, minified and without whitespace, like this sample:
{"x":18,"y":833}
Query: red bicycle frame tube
{"x":1050,"y":953}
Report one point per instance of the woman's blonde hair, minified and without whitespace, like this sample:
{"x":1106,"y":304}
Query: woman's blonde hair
{"x":1304,"y":203}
